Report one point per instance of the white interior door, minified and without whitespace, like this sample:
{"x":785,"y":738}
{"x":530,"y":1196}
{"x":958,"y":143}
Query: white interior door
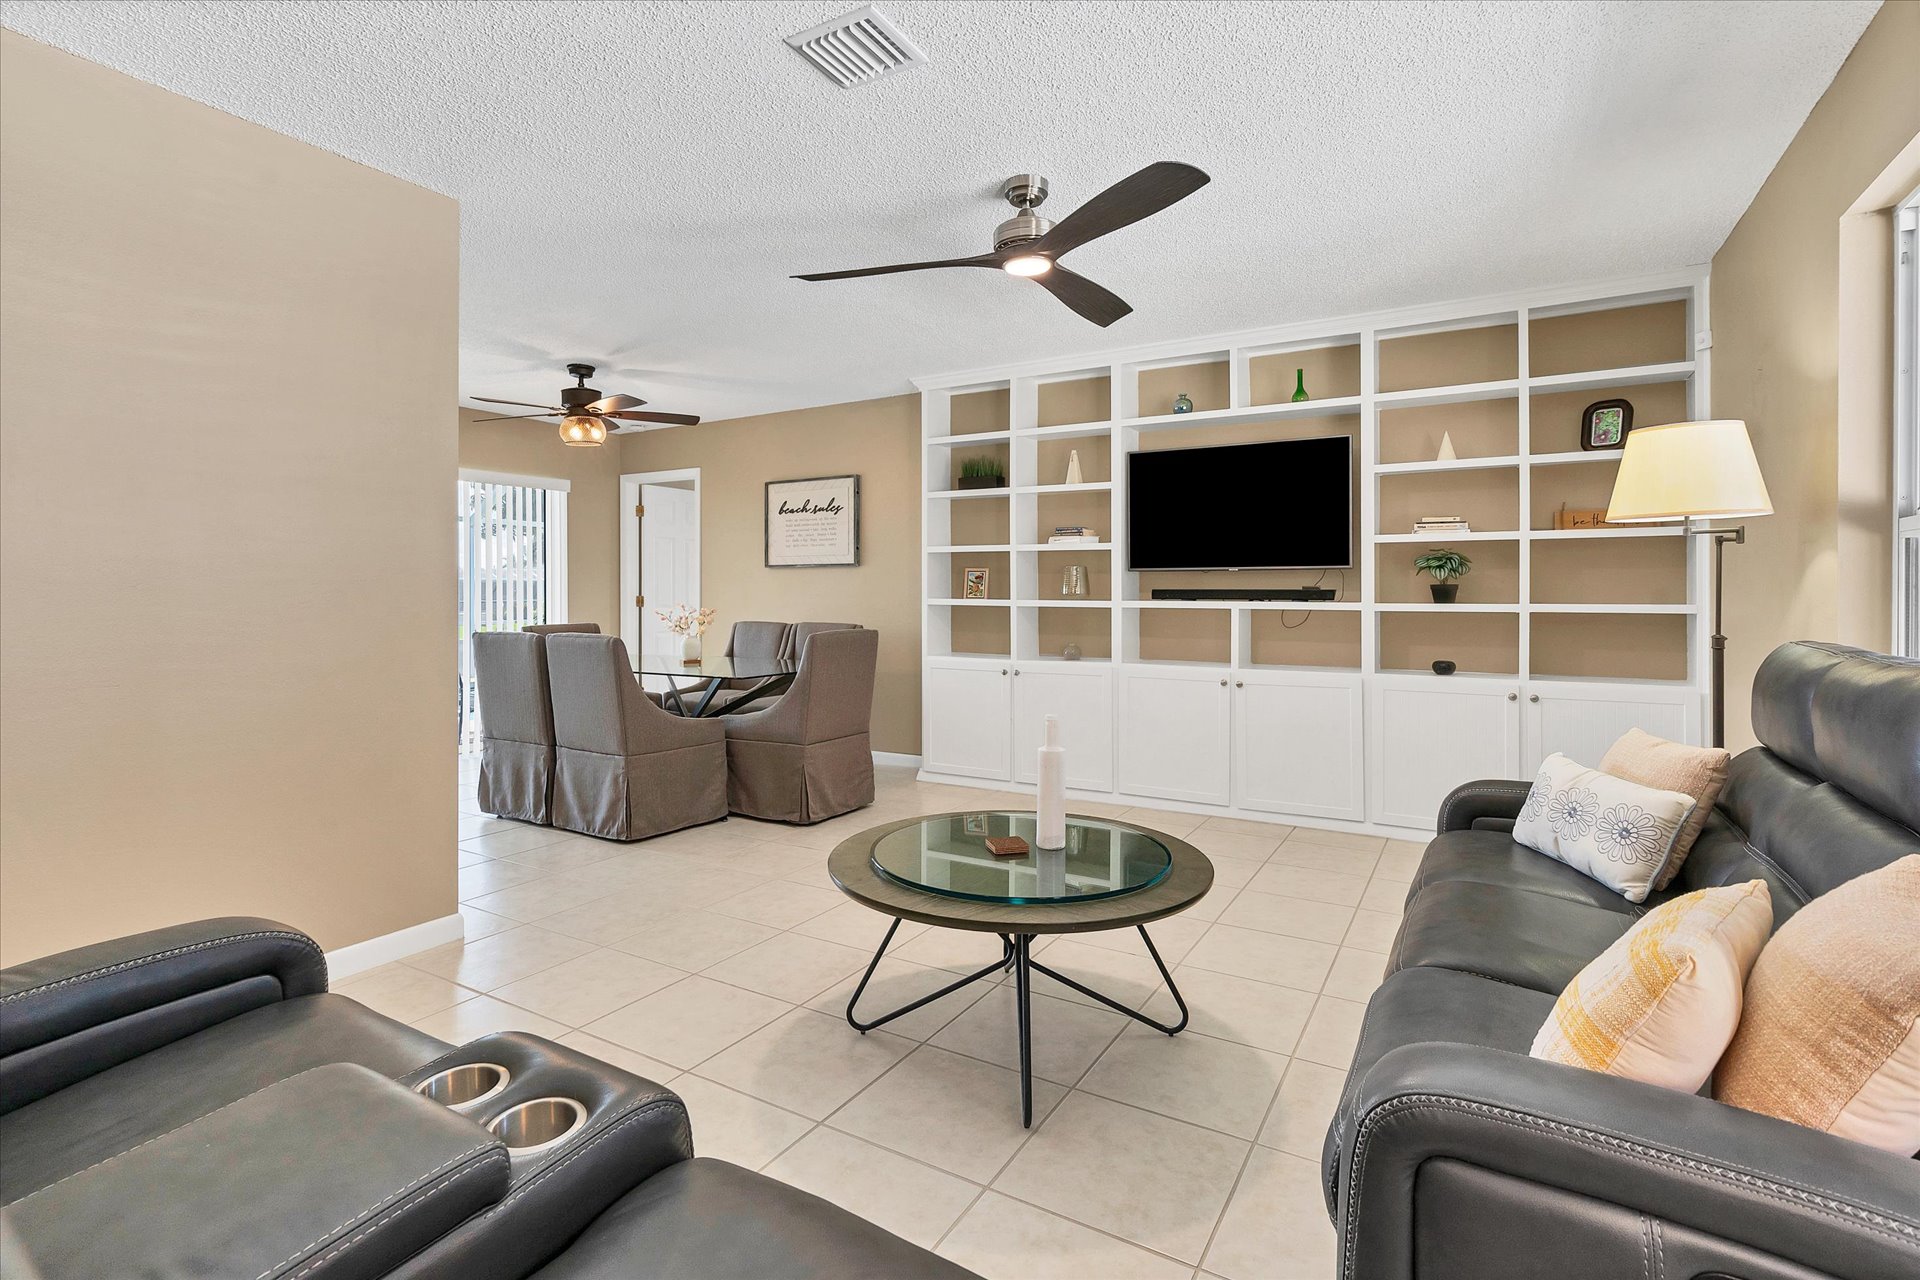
{"x":669,"y":560}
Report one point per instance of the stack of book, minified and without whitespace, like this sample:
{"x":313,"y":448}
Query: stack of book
{"x":1071,"y":533}
{"x":1442,"y":524}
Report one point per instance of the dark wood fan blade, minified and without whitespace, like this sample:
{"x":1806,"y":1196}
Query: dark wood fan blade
{"x":550,"y":408}
{"x":671,"y":419}
{"x":612,"y":404}
{"x":518,"y":417}
{"x":1093,"y":301}
{"x":1124,"y":203}
{"x":984,"y":260}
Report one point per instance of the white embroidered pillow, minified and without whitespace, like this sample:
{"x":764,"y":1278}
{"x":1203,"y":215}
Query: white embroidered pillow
{"x":1619,"y":832}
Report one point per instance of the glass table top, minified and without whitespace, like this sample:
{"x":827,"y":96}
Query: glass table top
{"x":717,"y":666}
{"x":948,"y":855}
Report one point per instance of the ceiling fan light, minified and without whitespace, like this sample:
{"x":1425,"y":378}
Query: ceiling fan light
{"x":1029,"y":264}
{"x":583,"y":429}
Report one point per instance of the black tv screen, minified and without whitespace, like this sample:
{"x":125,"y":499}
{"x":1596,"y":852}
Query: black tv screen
{"x":1282,"y":504}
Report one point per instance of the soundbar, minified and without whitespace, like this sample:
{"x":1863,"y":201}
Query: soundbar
{"x":1205,"y":593}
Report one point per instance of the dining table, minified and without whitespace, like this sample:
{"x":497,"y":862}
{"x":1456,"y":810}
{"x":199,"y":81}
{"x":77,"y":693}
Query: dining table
{"x":773,"y":674}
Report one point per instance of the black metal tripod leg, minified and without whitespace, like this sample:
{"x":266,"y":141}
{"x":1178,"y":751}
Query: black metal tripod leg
{"x":1135,"y":1014}
{"x":903,"y":1010}
{"x":1023,"y":1001}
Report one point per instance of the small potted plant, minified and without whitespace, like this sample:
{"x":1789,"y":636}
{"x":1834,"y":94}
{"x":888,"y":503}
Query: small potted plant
{"x":1446,"y":567}
{"x":982,"y":473}
{"x":689,"y":624}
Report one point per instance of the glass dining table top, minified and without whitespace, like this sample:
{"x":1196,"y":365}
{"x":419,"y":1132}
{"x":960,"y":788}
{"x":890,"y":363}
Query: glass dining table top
{"x":716,"y":666}
{"x":948,"y":855}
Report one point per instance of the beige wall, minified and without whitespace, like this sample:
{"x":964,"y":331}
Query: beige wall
{"x":1816,"y":568}
{"x":533,"y":448}
{"x":226,"y":440}
{"x":874,"y":439}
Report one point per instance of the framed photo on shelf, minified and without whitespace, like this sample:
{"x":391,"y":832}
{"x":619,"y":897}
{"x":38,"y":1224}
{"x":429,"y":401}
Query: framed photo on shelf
{"x":1604,"y":424}
{"x":975,"y":585}
{"x":813,"y":523}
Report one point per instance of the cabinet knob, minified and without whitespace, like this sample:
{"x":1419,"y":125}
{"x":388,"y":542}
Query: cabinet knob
{"x":1016,"y":671}
{"x":1223,"y":683}
{"x":1513,"y":697}
{"x":1239,"y":684}
{"x":1003,"y":671}
{"x":1533,"y":697}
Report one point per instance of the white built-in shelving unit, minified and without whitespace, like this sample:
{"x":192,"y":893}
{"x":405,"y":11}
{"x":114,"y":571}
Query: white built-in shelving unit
{"x":1324,"y":712}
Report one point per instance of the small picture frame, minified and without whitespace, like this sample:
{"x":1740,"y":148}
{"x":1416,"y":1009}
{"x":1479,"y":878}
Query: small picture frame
{"x":975,"y":824}
{"x":975,"y":585}
{"x":1604,"y":424}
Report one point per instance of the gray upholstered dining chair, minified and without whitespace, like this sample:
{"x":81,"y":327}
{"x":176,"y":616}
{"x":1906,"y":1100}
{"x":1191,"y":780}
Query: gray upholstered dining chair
{"x":804,"y":631}
{"x":749,"y":640}
{"x":516,"y":725}
{"x":557,"y":628}
{"x":809,"y":756}
{"x":623,"y":768}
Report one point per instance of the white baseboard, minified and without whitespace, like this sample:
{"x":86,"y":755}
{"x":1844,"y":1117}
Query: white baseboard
{"x":388,"y":947}
{"x":896,"y":757}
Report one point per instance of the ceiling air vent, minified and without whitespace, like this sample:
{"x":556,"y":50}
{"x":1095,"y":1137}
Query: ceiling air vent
{"x":857,"y":48}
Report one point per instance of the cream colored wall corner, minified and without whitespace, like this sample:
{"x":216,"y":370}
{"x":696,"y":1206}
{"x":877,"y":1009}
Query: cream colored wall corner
{"x":532,"y":448}
{"x":227,"y":444}
{"x":1812,"y":570}
{"x":878,"y":440}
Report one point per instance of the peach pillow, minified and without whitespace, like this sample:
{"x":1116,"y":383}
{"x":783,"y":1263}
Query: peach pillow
{"x":1831,"y":1036}
{"x":1661,"y":1003}
{"x":1700,"y":772}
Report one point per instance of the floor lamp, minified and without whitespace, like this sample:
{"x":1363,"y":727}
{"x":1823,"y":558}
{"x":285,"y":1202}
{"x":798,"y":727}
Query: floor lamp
{"x":1692,"y":471}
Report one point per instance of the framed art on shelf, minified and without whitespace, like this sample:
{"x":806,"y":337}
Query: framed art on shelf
{"x":975,"y":586}
{"x":1605,"y":423}
{"x":813,"y":523}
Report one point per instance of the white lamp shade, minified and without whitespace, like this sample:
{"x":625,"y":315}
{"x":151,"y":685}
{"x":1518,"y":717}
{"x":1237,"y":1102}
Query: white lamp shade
{"x":1682,"y":469}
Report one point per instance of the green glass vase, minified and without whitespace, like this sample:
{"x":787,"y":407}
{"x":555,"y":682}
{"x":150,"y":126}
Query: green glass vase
{"x":1299,"y":385}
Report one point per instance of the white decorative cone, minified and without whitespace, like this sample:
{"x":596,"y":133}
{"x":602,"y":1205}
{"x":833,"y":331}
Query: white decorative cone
{"x":1051,"y":828}
{"x":1073,"y":468}
{"x":1446,"y":447}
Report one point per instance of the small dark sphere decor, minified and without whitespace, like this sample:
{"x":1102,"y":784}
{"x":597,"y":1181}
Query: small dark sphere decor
{"x":1444,"y":666}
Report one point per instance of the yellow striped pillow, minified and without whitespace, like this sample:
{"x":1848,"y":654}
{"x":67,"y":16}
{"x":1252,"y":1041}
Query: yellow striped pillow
{"x":1662,"y":1002}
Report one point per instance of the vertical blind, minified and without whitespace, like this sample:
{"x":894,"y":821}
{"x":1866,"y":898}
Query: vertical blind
{"x":1906,"y":401}
{"x":513,"y":568}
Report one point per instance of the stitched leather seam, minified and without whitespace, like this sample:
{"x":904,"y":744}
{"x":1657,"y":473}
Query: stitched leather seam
{"x":1765,"y":1185}
{"x":169,"y":1133}
{"x":640,"y":1112}
{"x":1472,"y":791}
{"x":401,"y":1194}
{"x":157,"y":956}
{"x":367,"y":1231}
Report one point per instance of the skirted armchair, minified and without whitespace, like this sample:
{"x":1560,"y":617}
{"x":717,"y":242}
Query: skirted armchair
{"x":623,"y":768}
{"x":809,"y":756}
{"x":516,"y":724}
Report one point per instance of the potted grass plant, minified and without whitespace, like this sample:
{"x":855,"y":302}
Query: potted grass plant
{"x":982,"y":473}
{"x":1446,"y":567}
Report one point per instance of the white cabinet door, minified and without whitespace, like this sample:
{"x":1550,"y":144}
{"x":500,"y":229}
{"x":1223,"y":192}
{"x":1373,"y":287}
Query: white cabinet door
{"x":1173,"y":733}
{"x":1297,"y":744}
{"x":1428,"y":734}
{"x":1081,"y":695}
{"x":967,"y":730}
{"x":1581,"y":722}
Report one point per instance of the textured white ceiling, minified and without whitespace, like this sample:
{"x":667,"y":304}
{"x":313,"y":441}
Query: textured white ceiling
{"x":637,"y":180}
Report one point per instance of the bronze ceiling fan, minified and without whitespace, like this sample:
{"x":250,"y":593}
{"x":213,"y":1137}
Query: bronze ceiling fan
{"x":584,"y":413}
{"x":1029,"y":245}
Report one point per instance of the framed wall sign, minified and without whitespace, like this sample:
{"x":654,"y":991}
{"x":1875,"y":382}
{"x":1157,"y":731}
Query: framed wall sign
{"x":813,"y":522}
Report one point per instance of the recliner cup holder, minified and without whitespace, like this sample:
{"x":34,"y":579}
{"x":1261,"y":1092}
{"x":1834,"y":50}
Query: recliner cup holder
{"x":537,"y":1125}
{"x":466,"y":1086}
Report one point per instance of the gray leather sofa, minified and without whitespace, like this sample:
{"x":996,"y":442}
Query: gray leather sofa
{"x":194,"y":1102}
{"x":1454,"y":1154}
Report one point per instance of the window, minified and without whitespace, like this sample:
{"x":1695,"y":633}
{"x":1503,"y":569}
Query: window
{"x":512,"y":567}
{"x":1906,"y":429}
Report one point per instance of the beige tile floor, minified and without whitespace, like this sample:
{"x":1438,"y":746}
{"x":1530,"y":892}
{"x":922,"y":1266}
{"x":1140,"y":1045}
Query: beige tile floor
{"x":718,"y":961}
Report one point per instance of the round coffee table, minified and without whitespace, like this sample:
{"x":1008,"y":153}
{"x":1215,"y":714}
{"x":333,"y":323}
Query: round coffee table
{"x":937,"y":870}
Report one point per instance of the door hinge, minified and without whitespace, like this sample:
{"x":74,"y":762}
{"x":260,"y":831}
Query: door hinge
{"x":640,"y":510}
{"x":639,"y":602}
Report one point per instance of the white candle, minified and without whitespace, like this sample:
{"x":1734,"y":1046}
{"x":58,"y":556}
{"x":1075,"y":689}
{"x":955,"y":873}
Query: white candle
{"x":1051,"y":827}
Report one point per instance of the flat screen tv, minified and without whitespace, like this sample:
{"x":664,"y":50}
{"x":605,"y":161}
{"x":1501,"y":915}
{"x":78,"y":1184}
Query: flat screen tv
{"x":1281,"y":504}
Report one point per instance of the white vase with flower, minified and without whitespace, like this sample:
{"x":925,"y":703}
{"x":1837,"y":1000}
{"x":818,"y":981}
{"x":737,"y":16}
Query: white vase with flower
{"x":690,"y":624}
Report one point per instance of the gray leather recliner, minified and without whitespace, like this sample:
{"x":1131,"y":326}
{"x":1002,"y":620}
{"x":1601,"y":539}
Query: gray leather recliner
{"x":1455,"y":1154}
